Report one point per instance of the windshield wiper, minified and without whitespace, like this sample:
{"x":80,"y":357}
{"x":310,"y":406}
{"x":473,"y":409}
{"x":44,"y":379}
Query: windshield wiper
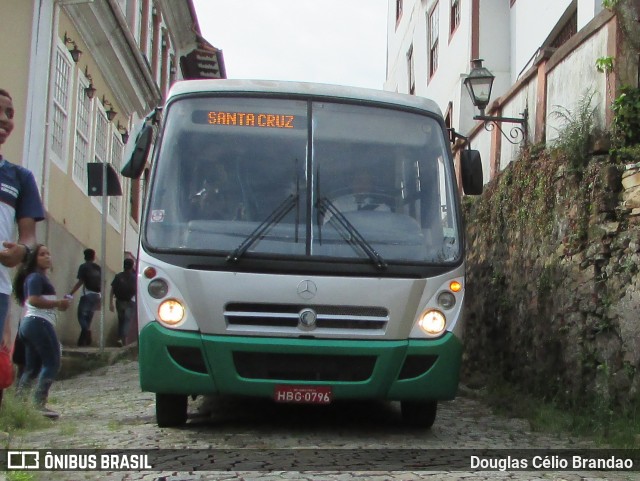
{"x":337,"y":217}
{"x":276,"y":216}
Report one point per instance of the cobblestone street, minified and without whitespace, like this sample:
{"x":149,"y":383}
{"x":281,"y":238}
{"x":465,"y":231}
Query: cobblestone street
{"x":105,"y":409}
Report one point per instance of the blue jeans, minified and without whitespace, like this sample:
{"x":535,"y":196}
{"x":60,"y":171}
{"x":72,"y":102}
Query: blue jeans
{"x":42,"y":358}
{"x":126,"y":311}
{"x":86,"y":307}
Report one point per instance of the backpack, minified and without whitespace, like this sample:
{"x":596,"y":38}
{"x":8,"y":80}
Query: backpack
{"x":93,"y":278}
{"x":124,"y":286}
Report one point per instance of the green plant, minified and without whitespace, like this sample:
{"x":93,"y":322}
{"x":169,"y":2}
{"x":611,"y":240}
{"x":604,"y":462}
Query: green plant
{"x":576,"y":132}
{"x":18,"y":415}
{"x":20,"y":476}
{"x":626,"y":120}
{"x":626,"y":155}
{"x":609,"y":4}
{"x":604,"y":64}
{"x":591,"y":420}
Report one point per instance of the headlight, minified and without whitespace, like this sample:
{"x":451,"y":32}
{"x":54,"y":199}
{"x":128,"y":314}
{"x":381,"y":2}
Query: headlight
{"x":432,"y":322}
{"x":446,"y":300}
{"x":158,"y":288}
{"x":171,"y":312}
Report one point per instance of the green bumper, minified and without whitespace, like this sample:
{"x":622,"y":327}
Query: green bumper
{"x":182,"y":362}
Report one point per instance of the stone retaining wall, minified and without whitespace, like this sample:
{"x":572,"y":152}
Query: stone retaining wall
{"x":553,"y":289}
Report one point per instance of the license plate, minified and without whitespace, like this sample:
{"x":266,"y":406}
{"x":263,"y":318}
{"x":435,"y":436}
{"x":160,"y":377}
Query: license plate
{"x":284,"y":393}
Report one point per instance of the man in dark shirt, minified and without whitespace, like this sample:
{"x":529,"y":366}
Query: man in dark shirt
{"x":123,"y":289}
{"x":90,"y":279}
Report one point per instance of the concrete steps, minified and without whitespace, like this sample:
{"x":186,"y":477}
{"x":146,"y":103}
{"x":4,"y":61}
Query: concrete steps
{"x":76,"y":360}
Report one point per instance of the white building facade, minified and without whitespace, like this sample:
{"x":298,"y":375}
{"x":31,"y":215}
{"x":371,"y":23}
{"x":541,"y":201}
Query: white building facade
{"x":83,"y":74}
{"x":541,"y":52}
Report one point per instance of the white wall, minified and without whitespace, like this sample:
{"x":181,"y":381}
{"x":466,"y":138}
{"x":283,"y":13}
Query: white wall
{"x":525,"y":98}
{"x":509,"y":36}
{"x":398,"y":42}
{"x":580,"y":68}
{"x":531,"y":24}
{"x":454,"y":53}
{"x":533,"y":21}
{"x":453,"y":63}
{"x":587,"y":9}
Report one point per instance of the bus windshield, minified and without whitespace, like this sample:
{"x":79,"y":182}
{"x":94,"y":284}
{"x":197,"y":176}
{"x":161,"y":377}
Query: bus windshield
{"x":240,"y":177}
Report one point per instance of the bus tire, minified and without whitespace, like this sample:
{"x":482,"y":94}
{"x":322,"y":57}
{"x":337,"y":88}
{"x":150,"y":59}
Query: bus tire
{"x":420,"y":414}
{"x":171,"y":410}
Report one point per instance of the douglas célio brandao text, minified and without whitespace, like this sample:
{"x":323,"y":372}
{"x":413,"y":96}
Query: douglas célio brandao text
{"x":508,"y":463}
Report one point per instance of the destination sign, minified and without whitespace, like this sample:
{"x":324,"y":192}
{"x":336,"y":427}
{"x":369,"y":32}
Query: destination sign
{"x":244,"y":119}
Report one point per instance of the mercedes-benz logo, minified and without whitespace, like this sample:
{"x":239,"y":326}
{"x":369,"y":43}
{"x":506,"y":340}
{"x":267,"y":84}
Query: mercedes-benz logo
{"x":308,"y":319}
{"x":307,"y":289}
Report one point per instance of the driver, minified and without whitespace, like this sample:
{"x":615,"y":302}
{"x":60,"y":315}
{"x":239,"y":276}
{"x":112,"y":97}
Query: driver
{"x":362,"y":196}
{"x":215,"y":199}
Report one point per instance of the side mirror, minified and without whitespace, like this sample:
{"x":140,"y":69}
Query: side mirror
{"x":471,"y":172}
{"x":134,"y":168}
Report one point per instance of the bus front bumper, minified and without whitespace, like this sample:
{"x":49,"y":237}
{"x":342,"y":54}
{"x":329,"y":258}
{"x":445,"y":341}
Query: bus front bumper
{"x":190,"y":363}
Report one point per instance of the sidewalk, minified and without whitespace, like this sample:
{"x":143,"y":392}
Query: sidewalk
{"x":76,"y":360}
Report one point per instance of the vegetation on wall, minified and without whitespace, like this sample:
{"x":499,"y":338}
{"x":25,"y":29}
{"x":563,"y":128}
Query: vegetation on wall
{"x":577,"y":131}
{"x":626,"y":122}
{"x":551,"y":257}
{"x":553,"y":281}
{"x":610,"y":4}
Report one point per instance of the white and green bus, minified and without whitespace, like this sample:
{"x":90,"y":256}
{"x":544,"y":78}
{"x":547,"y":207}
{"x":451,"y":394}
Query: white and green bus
{"x":302,"y":243}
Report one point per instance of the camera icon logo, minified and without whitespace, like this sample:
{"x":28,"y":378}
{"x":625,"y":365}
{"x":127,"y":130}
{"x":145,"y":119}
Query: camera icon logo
{"x":23,"y":460}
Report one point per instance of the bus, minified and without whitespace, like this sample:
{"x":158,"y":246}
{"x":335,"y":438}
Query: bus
{"x":299,"y":242}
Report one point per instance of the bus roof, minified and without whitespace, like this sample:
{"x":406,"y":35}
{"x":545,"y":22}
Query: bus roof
{"x":184,"y":87}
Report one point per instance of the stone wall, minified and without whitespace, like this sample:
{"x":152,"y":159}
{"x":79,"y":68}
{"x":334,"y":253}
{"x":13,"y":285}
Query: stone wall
{"x":553,"y":288}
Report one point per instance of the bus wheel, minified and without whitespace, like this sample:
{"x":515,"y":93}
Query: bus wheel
{"x":171,"y":410}
{"x":420,"y":414}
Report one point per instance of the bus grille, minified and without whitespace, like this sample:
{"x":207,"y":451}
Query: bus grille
{"x":303,"y":367}
{"x":287,"y":315}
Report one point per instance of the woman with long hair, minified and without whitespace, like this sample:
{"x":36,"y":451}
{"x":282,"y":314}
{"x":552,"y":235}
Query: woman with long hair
{"x":33,"y":289}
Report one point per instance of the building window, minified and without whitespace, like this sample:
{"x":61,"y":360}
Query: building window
{"x":151,"y":19}
{"x":156,"y":45}
{"x":102,"y":137}
{"x":134,"y":200}
{"x":448,"y":123}
{"x":568,"y":30}
{"x":173,"y":71}
{"x":164,"y":65}
{"x":455,"y":15}
{"x":137,"y":193}
{"x":433,"y":40}
{"x":116,"y":162}
{"x":123,"y":7}
{"x":60,"y":108}
{"x":398,"y":11}
{"x":83,"y":131}
{"x":411,"y":71}
{"x":146,"y":29}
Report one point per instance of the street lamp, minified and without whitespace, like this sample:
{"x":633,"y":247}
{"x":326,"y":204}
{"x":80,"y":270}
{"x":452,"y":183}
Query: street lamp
{"x":124,"y":133}
{"x":89,"y":91}
{"x":111,"y":113}
{"x":75,"y":51}
{"x":479,"y":83}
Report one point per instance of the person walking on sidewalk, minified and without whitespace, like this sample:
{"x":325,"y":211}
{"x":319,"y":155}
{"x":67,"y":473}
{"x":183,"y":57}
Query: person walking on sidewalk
{"x":33,"y":289}
{"x":123,"y":288}
{"x":90,"y":279}
{"x":20,"y":205}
